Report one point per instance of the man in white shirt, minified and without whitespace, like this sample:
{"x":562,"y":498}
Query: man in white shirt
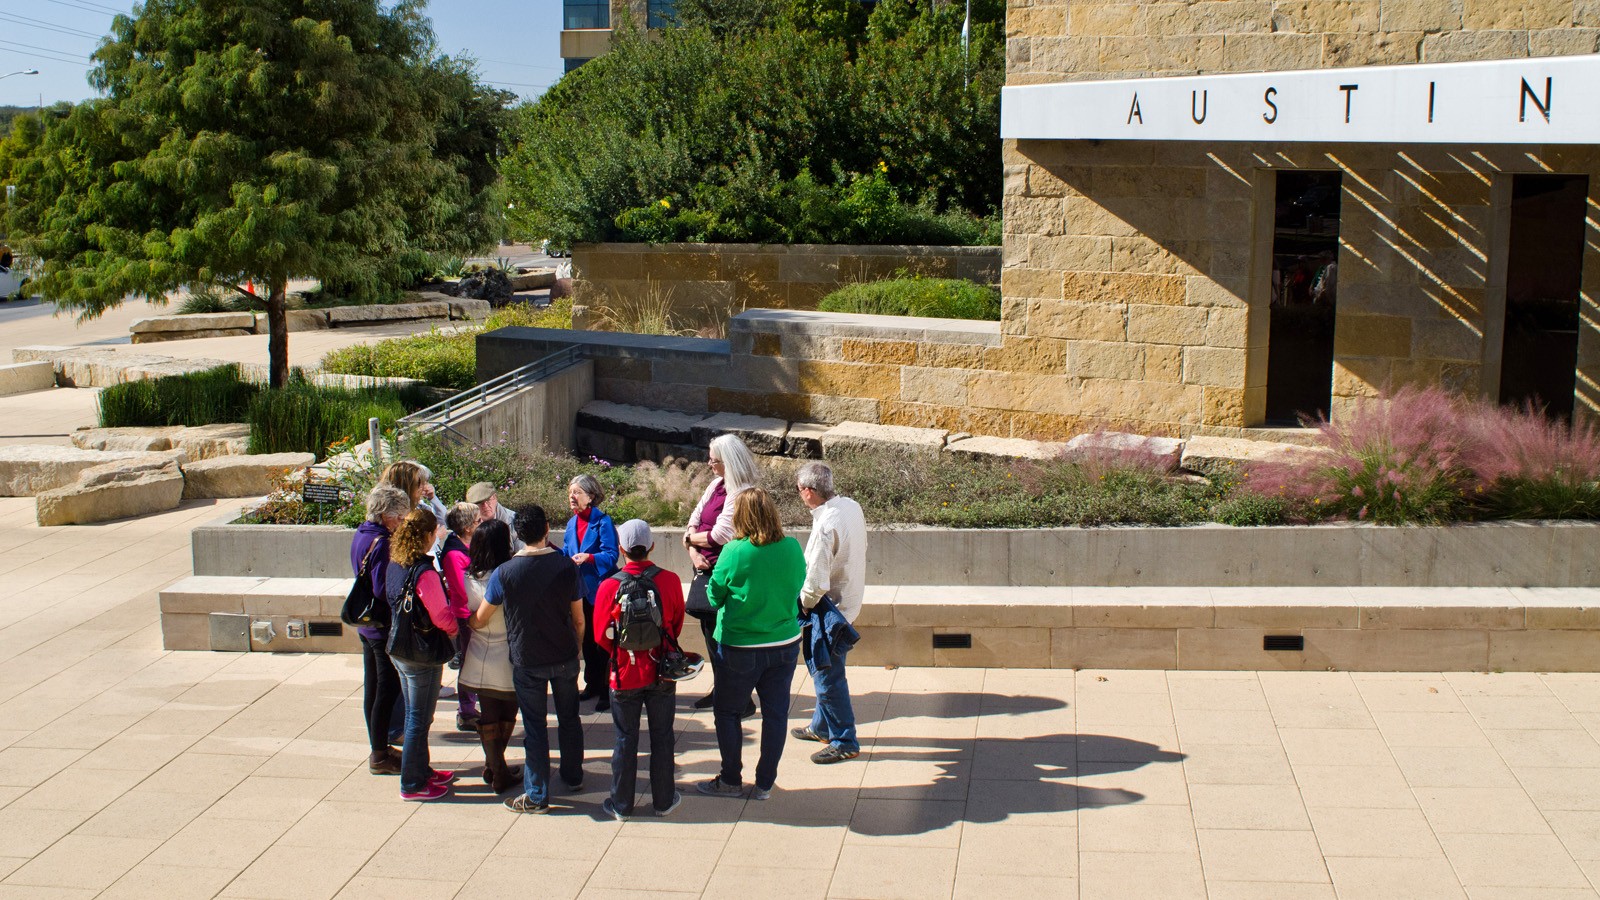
{"x":836,"y":566}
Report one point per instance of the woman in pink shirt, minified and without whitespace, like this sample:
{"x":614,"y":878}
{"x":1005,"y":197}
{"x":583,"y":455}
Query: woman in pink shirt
{"x":454,"y":558}
{"x":411,"y":566}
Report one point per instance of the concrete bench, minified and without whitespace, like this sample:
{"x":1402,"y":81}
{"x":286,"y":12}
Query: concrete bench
{"x":1352,"y":629}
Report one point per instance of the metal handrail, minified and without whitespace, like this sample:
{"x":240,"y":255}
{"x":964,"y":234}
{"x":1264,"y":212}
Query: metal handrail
{"x":443,"y":412}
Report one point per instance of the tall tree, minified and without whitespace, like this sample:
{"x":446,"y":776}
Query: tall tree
{"x":257,"y":142}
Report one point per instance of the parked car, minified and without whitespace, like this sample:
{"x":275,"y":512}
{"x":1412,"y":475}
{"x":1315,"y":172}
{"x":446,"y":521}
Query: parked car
{"x":550,"y":248}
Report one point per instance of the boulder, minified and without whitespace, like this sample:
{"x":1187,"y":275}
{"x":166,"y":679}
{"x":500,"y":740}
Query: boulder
{"x":638,"y":422}
{"x":982,"y":447}
{"x":1219,"y":456}
{"x":1134,"y":449}
{"x":239,"y":476}
{"x":133,"y":487}
{"x":28,"y":469}
{"x":762,"y":435}
{"x":465,"y":309}
{"x":658,"y":452}
{"x":533,"y":280}
{"x":197,"y":322}
{"x":603,"y":444}
{"x":356,"y":382}
{"x":22,"y":377}
{"x":212,"y":441}
{"x":387,"y":312}
{"x":103,"y":367}
{"x":140,"y":440}
{"x":296,"y":320}
{"x":804,"y":440}
{"x":848,"y":436}
{"x":492,"y":285}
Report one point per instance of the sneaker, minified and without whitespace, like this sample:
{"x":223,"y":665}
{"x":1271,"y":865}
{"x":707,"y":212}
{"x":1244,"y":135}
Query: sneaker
{"x":603,"y":706}
{"x":804,"y":733}
{"x":677,"y":800}
{"x":833,"y":753}
{"x":442,"y":778}
{"x":703,"y":702}
{"x":522,"y":803}
{"x":716,"y":787}
{"x":430,"y":792}
{"x":573,"y":787}
{"x":466,"y":723}
{"x":609,"y":807}
{"x":758,"y":793}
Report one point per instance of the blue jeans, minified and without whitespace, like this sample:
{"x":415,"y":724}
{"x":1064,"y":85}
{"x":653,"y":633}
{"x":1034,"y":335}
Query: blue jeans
{"x":419,"y":684}
{"x":835,"y":718}
{"x":560,"y":680}
{"x":656,"y":701}
{"x":770,"y":672}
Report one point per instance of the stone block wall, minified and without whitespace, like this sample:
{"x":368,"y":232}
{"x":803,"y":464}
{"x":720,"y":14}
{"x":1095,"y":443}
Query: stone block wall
{"x":707,"y":283}
{"x":1145,"y":266}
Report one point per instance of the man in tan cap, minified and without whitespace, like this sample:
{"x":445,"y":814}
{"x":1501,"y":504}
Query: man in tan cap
{"x":483,"y":496}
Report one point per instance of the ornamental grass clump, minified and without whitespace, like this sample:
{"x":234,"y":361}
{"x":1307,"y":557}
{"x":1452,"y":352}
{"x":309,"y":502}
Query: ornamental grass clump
{"x":194,"y":398}
{"x":1530,"y":467}
{"x":1397,"y":460}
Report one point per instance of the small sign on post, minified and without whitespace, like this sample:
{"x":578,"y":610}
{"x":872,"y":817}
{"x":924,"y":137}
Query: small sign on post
{"x":375,"y":441}
{"x":319,"y":492}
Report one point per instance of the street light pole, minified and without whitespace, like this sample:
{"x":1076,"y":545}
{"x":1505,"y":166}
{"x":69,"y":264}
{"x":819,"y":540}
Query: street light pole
{"x":21,"y":72}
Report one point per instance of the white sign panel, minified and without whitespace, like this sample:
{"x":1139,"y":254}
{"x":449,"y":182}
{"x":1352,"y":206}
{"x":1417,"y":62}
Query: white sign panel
{"x":1517,"y":101}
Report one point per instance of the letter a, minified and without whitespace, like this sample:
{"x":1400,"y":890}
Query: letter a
{"x":1133,"y":112}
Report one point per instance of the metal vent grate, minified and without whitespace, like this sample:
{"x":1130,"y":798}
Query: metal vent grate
{"x":1293,"y":642}
{"x":952,"y":642}
{"x":325,"y":629}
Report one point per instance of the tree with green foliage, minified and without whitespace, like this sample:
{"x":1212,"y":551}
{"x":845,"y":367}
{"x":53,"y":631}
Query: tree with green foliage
{"x":256,"y":142}
{"x":788,"y":121}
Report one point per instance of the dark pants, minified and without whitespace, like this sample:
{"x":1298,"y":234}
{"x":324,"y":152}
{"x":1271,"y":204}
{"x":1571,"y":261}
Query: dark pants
{"x":596,"y":665}
{"x":380,"y":689}
{"x":770,"y":672}
{"x":657,"y":702}
{"x":561,"y":681}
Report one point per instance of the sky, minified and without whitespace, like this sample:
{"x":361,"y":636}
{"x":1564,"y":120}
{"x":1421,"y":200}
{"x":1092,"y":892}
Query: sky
{"x":517,"y":44}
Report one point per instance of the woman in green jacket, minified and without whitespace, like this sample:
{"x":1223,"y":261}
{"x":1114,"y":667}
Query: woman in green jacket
{"x":755,"y":590}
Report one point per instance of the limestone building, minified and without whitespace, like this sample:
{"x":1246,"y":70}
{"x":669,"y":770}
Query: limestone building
{"x":1404,"y":191}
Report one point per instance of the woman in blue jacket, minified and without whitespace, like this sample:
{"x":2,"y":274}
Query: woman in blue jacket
{"x":591,"y":542}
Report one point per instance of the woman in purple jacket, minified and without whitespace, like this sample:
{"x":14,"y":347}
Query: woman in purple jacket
{"x":387,"y":505}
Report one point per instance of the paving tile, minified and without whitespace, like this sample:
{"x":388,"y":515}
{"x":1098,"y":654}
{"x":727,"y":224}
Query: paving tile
{"x":1234,"y":855}
{"x":893,"y":873}
{"x":738,"y":882}
{"x":1360,"y":787}
{"x":1387,"y":879}
{"x":1579,"y":832}
{"x":87,"y":790}
{"x":1563,"y":788}
{"x":363,"y":887}
{"x":981,"y":887}
{"x":1206,"y":726}
{"x":1139,"y":876}
{"x":149,"y":881}
{"x":210,"y":842}
{"x":1037,"y":803}
{"x":1512,"y":860}
{"x":776,"y":846}
{"x":910,"y":823}
{"x":689,"y":861}
{"x":1458,"y":810}
{"x":1453,"y":767}
{"x":1137,"y":828}
{"x":146,"y":814}
{"x":32,"y":766}
{"x":1155,"y":783}
{"x":1028,"y":850}
{"x":1536,"y":748}
{"x":1335,"y":747}
{"x":1236,"y":764}
{"x":29,"y":831}
{"x":1267,"y":890}
{"x":81,"y":861}
{"x":1023,"y":760}
{"x":1430,"y":729}
{"x":1343,"y":831}
{"x":1245,"y":806}
{"x":296,"y":873}
{"x":500,"y":876}
{"x":1528,"y":893}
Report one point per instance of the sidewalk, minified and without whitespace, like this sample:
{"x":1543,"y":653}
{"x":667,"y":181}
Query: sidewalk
{"x":143,"y":773}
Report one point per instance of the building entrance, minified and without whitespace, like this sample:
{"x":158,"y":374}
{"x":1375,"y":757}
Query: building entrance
{"x":1305,"y":282}
{"x":1544,"y":276}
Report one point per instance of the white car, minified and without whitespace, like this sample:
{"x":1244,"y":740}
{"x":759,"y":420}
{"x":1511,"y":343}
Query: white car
{"x":556,"y":251}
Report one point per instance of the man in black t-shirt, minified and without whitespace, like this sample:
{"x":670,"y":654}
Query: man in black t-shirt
{"x":537,"y":592}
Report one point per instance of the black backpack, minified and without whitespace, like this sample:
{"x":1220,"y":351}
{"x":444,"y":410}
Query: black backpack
{"x":638,"y":621}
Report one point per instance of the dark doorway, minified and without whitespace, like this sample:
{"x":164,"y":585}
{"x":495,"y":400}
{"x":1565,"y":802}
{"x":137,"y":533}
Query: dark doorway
{"x":1544,"y":274}
{"x":1305,"y":281}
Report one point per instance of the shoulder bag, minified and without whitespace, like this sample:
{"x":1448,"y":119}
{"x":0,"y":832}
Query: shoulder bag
{"x":362,"y":608}
{"x":413,"y":637}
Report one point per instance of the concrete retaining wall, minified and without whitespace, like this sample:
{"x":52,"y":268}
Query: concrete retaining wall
{"x":541,"y":415}
{"x":1558,"y":554}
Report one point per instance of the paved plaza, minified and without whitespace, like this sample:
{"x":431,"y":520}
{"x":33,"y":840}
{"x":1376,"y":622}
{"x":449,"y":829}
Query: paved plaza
{"x":129,"y":771}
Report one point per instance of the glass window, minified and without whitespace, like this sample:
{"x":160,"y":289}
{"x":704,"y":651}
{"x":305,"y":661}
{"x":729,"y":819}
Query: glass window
{"x":663,"y":13}
{"x":1305,"y":279}
{"x":586,"y":14}
{"x":569,"y":64}
{"x":1544,"y":278}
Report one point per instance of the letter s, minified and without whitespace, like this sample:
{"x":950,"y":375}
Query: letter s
{"x":1267,"y":98}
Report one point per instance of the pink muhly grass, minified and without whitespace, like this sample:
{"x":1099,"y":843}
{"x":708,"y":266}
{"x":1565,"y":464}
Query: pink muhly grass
{"x":1522,"y":444}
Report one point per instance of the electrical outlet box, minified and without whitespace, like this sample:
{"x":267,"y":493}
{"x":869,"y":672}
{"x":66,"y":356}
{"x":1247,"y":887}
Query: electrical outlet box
{"x":294,"y":630}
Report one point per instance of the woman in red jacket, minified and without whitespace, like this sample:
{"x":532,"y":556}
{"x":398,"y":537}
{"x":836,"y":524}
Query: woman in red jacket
{"x":636,"y":683}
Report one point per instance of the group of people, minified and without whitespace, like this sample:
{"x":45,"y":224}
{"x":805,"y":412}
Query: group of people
{"x":529,"y":620}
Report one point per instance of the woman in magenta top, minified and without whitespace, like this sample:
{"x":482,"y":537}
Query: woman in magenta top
{"x":454,"y":559}
{"x":711,"y":526}
{"x":410,"y":564}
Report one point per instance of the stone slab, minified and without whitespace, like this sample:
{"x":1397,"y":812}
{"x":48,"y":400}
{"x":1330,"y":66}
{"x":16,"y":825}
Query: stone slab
{"x":1163,"y":452}
{"x":141,"y":440}
{"x":761,"y":434}
{"x":211,"y":441}
{"x":357,"y":382}
{"x":534,"y":280}
{"x":848,"y":436}
{"x":195,"y":322}
{"x":804,"y":440}
{"x":982,"y":447}
{"x":103,"y":367}
{"x":134,"y":487}
{"x":20,"y":378}
{"x":604,"y":444}
{"x":28,"y":469}
{"x":638,"y":422}
{"x":387,"y":312}
{"x":297,"y":320}
{"x":159,"y":337}
{"x":466,"y":308}
{"x":1219,"y":455}
{"x":239,"y":476}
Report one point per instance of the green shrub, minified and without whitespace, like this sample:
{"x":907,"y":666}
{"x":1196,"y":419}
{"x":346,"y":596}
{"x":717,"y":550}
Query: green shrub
{"x":441,"y":360}
{"x":205,"y":300}
{"x":301,"y":417}
{"x":198,"y":398}
{"x":942,"y":298}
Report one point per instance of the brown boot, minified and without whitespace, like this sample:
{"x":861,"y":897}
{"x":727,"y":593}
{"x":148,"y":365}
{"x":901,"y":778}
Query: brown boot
{"x":494,"y":759}
{"x":382,"y":763}
{"x":513,"y":774}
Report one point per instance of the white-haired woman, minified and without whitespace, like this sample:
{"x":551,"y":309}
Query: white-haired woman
{"x":711,"y":526}
{"x":591,"y":543}
{"x":387,"y":506}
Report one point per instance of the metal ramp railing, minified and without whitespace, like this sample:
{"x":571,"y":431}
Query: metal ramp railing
{"x":441,"y":416}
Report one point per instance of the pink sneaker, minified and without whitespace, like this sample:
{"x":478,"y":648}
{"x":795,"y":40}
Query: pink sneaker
{"x":431,"y":792}
{"x":444,"y":779}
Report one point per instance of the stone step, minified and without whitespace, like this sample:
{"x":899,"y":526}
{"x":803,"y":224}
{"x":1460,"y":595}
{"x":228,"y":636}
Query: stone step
{"x":1215,"y":628}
